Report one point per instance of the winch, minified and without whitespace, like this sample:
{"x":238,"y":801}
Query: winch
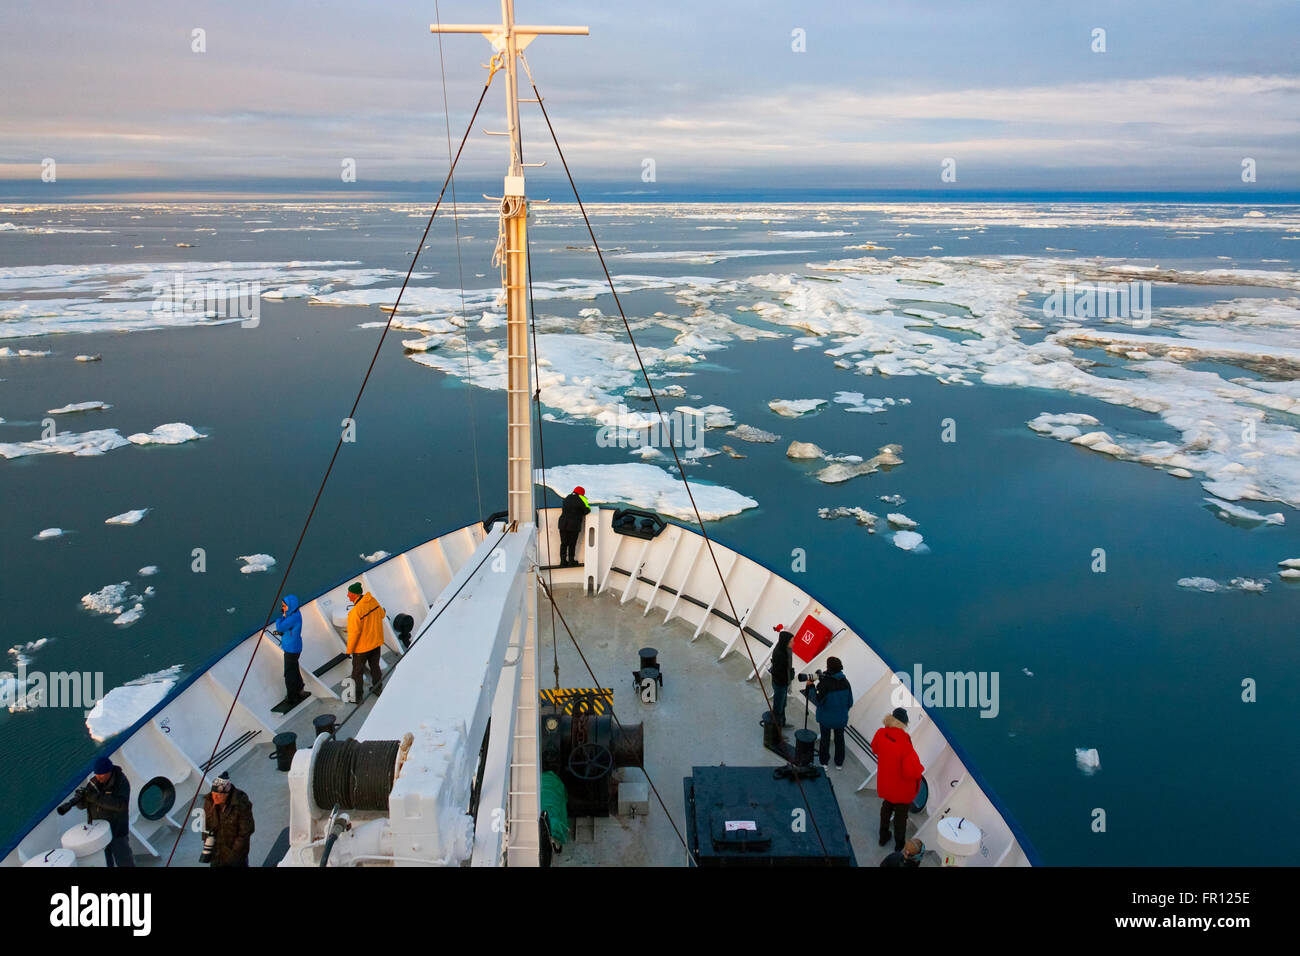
{"x":585,"y":748}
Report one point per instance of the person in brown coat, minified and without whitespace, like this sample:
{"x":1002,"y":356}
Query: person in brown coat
{"x":227,"y":824}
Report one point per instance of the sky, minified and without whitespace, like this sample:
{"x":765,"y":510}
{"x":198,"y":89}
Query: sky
{"x":1003,"y":94}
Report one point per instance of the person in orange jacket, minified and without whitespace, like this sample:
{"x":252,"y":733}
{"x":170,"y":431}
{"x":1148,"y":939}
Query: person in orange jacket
{"x":898,"y":775}
{"x":365,"y":639}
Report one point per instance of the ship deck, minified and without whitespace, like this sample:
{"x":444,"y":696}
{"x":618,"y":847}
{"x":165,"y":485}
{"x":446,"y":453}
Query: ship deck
{"x":267,"y":787}
{"x":707,"y":715}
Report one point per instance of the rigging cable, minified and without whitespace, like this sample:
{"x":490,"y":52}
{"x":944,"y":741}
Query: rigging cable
{"x":671,"y":444}
{"x":270,"y":614}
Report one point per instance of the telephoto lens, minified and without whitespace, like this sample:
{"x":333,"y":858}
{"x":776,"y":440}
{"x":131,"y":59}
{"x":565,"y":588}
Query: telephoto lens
{"x":209,"y":847}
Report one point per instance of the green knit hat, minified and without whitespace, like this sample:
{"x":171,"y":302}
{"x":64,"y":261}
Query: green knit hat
{"x":356,"y":588}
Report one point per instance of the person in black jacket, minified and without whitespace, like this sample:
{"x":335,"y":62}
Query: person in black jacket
{"x":782,"y":674}
{"x":107,"y":796}
{"x":573,"y":513}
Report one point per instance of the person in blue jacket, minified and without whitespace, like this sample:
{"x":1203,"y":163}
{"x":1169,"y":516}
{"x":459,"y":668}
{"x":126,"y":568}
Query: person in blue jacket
{"x":289,"y":629}
{"x":834,"y":699}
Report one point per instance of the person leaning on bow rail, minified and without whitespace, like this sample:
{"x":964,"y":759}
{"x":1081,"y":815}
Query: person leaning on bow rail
{"x":834,"y":699}
{"x":227,"y":824}
{"x":898,"y":775}
{"x":107,"y":796}
{"x":573,"y":511}
{"x":365,"y":639}
{"x":289,"y":630}
{"x":782,"y":673}
{"x":909,"y":856}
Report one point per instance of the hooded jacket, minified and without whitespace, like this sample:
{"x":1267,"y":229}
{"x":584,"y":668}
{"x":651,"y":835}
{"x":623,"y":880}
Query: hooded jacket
{"x":898,"y":768}
{"x":573,"y":510}
{"x":233,"y":826}
{"x":109,"y":801}
{"x":290,"y":626}
{"x":365,"y":625}
{"x":834,"y":700}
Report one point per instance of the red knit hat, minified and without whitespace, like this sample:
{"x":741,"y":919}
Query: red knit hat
{"x":579,"y":490}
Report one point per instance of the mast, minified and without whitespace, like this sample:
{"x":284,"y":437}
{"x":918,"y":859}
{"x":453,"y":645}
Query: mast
{"x":516,"y":743}
{"x":509,"y":40}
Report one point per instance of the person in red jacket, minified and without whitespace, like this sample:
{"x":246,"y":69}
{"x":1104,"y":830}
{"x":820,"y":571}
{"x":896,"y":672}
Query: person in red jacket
{"x":898,"y":775}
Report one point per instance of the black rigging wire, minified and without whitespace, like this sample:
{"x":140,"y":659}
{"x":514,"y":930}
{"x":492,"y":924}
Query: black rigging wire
{"x":270,"y":614}
{"x":671,"y":444}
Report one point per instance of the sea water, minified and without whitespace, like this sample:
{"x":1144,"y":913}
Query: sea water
{"x":1120,"y":660}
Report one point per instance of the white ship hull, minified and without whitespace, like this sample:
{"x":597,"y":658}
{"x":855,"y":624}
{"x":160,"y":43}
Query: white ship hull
{"x":670,"y":579}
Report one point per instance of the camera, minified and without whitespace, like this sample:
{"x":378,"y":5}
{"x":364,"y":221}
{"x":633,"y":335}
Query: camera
{"x":814,"y":676}
{"x":77,"y":799}
{"x":209,"y":847}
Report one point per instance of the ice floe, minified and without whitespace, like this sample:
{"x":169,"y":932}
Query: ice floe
{"x":254,"y":563}
{"x":894,"y":500}
{"x":79,"y":407}
{"x":49,"y":533}
{"x":372,"y":558}
{"x":870,"y":406}
{"x":173,"y":433}
{"x":900,"y":521}
{"x":908,"y":541}
{"x":795,"y":407}
{"x":128,"y":517}
{"x":148,"y":571}
{"x":800,"y":449}
{"x":861,"y":515}
{"x":1230,"y":512}
{"x":840,"y":471}
{"x":1210,"y":585}
{"x":99,"y":441}
{"x":113,"y":599}
{"x":67,"y":443}
{"x":862,"y":311}
{"x":710,"y":256}
{"x":751,"y":434}
{"x":123,"y":706}
{"x":647,"y":486}
{"x":1088,"y":760}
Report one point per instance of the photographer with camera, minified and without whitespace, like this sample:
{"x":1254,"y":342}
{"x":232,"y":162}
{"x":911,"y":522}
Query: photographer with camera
{"x":227,"y":824}
{"x":834,"y":699}
{"x":107,"y":796}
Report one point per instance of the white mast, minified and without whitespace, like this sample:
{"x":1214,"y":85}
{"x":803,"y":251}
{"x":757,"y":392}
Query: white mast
{"x":509,"y":39}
